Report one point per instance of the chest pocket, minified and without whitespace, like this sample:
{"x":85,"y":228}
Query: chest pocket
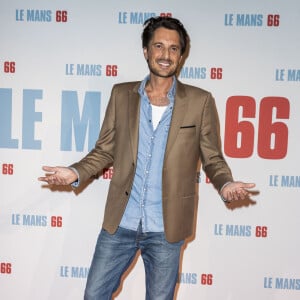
{"x":187,"y":130}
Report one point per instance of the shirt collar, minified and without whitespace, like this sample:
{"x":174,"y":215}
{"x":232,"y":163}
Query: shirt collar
{"x":171,"y":92}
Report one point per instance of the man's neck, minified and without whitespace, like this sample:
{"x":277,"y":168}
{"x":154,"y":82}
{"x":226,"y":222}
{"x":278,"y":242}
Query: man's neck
{"x":159,"y":85}
{"x":157,"y":89}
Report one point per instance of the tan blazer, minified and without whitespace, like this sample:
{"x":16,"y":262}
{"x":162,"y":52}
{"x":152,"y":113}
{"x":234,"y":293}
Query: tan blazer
{"x":194,"y":133}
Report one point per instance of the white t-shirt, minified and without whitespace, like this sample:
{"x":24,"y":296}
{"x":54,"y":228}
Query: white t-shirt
{"x":157,"y":112}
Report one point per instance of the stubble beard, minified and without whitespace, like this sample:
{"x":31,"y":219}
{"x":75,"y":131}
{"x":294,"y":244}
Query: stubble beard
{"x":159,"y":73}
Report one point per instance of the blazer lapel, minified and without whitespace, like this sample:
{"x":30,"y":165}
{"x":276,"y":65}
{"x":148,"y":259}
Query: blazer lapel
{"x":134,"y":103}
{"x":179,"y":112}
{"x":134,"y":118}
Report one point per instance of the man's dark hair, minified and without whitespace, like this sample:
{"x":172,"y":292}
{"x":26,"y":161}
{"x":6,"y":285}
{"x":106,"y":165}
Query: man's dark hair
{"x":153,"y":23}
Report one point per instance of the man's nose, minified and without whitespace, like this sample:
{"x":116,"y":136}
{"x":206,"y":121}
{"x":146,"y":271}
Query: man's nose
{"x":166,"y":53}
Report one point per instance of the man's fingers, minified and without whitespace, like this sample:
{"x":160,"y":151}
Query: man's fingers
{"x":49,"y":169}
{"x":49,"y":176}
{"x":43,"y":179}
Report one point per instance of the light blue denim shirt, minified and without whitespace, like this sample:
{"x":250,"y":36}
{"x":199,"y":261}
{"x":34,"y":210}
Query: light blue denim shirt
{"x":145,"y":201}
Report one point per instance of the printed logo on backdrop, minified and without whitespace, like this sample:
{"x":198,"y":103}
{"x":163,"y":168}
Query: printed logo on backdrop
{"x":242,"y":230}
{"x":73,"y":272}
{"x":270,"y":135}
{"x":80,"y":69}
{"x":5,"y":268}
{"x":281,"y":283}
{"x":85,"y":123}
{"x":251,"y":20}
{"x":285,"y":181}
{"x":194,"y":279}
{"x":138,"y":17}
{"x":287,"y":74}
{"x":201,"y":73}
{"x":41,"y":15}
{"x":29,"y":220}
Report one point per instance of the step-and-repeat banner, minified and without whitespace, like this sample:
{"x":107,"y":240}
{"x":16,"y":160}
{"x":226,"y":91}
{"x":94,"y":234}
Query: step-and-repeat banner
{"x":58,"y":63}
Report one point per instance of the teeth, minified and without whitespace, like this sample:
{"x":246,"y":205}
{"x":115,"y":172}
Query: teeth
{"x":164,"y":64}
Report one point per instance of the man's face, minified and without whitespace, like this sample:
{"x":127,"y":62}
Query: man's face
{"x":163,"y":52}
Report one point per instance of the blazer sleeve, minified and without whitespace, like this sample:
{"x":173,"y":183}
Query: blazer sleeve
{"x":213,"y":161}
{"x":102,"y":155}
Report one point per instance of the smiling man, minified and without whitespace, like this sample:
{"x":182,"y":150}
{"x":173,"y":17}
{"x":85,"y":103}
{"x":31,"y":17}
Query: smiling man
{"x":153,"y":134}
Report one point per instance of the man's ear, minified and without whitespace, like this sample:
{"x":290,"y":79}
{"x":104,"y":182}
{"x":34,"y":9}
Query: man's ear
{"x":145,"y":51}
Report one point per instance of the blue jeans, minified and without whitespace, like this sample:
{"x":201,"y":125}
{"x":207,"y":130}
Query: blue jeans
{"x":114,"y":254}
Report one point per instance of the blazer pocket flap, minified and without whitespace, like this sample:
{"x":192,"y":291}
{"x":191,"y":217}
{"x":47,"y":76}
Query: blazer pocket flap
{"x":187,"y":126}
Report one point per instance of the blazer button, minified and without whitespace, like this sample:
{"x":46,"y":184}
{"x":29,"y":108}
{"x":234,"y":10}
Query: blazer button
{"x":126,"y":193}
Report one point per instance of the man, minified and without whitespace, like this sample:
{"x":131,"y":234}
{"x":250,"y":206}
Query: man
{"x":153,"y":134}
